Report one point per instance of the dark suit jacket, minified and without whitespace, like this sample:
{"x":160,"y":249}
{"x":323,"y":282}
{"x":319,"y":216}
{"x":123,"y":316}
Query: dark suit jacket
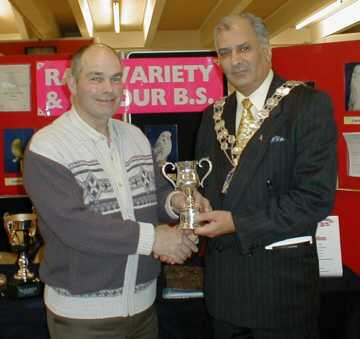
{"x":281,"y":189}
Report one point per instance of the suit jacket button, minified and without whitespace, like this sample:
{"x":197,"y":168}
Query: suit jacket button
{"x":219,"y":248}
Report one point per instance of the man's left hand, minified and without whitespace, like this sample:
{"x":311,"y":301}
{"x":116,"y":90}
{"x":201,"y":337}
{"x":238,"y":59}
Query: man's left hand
{"x":178,"y":202}
{"x":215,"y":223}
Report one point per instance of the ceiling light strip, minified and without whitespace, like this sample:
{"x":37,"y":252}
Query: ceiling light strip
{"x":344,"y":18}
{"x":116,"y":11}
{"x":318,"y":15}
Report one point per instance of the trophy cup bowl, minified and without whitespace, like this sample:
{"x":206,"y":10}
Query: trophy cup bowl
{"x":21,"y":231}
{"x":187,"y":181}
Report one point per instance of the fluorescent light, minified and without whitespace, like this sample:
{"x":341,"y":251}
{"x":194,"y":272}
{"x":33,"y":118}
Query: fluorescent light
{"x":346,"y":17}
{"x":318,"y":15}
{"x":5,"y":10}
{"x":116,"y":10}
{"x":88,"y":18}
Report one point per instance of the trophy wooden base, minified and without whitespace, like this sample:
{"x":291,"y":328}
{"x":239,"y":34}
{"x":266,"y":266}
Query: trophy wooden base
{"x":184,"y":277}
{"x":19,"y":289}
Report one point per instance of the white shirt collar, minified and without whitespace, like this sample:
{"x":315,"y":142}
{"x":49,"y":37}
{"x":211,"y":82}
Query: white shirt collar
{"x":257,"y":97}
{"x":88,"y":130}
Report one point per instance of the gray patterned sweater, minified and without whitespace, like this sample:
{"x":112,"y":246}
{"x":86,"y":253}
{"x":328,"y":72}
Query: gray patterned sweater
{"x":96,"y":203}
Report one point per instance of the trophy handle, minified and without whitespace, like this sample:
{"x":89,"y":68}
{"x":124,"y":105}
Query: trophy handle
{"x":8,"y":225}
{"x":163,"y":167}
{"x":208,"y":172}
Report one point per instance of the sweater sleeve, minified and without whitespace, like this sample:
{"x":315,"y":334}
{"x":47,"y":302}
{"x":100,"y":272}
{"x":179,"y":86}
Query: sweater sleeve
{"x":58,"y":200}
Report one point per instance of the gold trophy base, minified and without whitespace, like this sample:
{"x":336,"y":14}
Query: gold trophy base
{"x":188,"y":219}
{"x":18,"y":289}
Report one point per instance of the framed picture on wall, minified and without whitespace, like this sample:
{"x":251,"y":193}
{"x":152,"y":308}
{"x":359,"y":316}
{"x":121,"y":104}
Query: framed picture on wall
{"x":15,"y":141}
{"x":164,"y":142}
{"x":15,"y":91}
{"x":352,"y":88}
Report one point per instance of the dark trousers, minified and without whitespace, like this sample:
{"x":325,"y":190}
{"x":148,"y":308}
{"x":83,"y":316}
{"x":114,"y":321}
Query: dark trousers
{"x":139,"y":326}
{"x":224,"y":330}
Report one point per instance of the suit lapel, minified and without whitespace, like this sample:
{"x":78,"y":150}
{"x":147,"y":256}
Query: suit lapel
{"x":230,"y":113}
{"x":255,"y":150}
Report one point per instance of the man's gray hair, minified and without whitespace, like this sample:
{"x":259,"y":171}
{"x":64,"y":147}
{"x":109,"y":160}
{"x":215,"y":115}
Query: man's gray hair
{"x":230,"y":21}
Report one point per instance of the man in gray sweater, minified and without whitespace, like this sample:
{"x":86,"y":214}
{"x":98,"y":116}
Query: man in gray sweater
{"x":92,"y":180}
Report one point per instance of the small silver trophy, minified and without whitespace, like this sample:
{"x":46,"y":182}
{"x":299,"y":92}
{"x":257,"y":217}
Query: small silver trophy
{"x":21,"y":231}
{"x":187,"y":180}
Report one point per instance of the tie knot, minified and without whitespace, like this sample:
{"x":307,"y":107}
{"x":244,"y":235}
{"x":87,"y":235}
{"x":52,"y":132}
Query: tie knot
{"x":247,"y":103}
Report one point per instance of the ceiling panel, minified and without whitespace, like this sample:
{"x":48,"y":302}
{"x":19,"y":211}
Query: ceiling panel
{"x":132,"y":14}
{"x":7,"y":18}
{"x":263,"y":8}
{"x":185,"y":14}
{"x":65,"y":18}
{"x":102,"y":15}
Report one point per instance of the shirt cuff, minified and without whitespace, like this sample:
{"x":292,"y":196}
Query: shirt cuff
{"x":169,"y":210}
{"x":146,"y":238}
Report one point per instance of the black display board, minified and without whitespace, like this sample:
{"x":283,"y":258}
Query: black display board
{"x":187,"y":123}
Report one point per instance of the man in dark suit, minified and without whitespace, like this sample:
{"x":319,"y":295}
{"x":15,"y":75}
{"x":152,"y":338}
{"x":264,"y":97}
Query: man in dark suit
{"x":274,"y":177}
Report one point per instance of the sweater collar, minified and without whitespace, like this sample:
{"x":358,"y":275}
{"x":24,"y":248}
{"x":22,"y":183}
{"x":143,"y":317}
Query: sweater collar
{"x":86,"y":129}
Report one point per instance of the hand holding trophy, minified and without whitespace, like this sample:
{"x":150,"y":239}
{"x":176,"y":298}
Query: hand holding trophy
{"x":21,"y":231}
{"x":187,"y":181}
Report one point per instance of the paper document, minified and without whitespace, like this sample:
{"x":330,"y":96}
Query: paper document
{"x":329,"y":248}
{"x":15,"y":88}
{"x":353,"y":153}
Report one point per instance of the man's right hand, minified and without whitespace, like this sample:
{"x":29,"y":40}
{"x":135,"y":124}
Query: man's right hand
{"x":172,"y":244}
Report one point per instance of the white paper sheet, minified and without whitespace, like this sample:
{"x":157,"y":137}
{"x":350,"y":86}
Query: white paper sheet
{"x":353,"y":150}
{"x":329,"y":248}
{"x":15,"y":88}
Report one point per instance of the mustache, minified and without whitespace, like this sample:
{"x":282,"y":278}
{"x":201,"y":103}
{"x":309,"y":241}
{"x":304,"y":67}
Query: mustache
{"x":244,"y":66}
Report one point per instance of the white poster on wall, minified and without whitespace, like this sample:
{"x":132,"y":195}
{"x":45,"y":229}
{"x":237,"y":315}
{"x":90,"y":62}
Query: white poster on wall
{"x":15,"y":88}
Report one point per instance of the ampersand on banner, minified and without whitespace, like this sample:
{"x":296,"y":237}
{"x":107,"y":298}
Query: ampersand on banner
{"x":52,"y":101}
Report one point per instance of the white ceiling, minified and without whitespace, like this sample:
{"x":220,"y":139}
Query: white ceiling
{"x":161,"y":24}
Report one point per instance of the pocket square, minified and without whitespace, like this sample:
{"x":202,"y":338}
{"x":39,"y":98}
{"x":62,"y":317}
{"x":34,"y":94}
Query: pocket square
{"x":276,"y":138}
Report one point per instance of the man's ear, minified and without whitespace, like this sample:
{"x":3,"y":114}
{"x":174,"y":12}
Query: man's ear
{"x":71,"y":83}
{"x":269,"y":55}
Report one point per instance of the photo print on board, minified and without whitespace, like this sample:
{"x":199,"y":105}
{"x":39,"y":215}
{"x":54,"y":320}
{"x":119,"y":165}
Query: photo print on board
{"x":15,"y":141}
{"x":164,"y":142}
{"x":352,"y":87}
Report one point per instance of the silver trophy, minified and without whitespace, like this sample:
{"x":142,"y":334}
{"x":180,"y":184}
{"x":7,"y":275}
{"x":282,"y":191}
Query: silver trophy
{"x":187,"y":181}
{"x":21,"y":230}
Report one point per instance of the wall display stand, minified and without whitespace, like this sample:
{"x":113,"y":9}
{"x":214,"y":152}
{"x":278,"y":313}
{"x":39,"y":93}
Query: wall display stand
{"x":334,"y":68}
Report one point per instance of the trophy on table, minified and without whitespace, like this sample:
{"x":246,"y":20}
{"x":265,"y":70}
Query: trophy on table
{"x":187,"y":181}
{"x":21,"y":230}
